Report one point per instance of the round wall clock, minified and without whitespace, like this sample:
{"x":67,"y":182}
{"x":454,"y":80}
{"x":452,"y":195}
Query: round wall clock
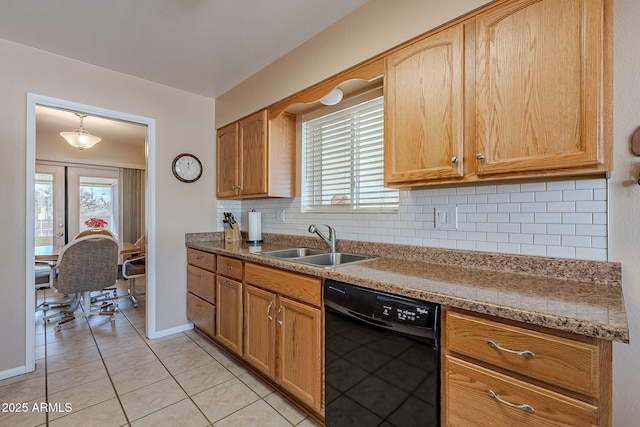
{"x":186,"y":167}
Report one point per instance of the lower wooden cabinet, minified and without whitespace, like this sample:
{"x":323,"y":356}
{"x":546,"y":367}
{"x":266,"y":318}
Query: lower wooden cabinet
{"x":229,"y":313}
{"x":201,"y":313}
{"x":499,"y":373}
{"x":283,"y":336}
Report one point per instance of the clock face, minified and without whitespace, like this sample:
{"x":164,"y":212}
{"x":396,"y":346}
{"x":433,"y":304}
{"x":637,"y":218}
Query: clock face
{"x":187,"y":167}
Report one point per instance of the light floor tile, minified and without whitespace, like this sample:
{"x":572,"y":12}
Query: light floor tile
{"x":181,"y":414}
{"x":77,"y":375}
{"x":70,"y":359}
{"x":256,"y":414}
{"x":82,"y":396}
{"x":106,"y":414}
{"x":224,"y":399}
{"x":234,"y":367}
{"x":23,"y":391}
{"x":25,"y":416}
{"x":286,"y":409}
{"x":129,"y":359}
{"x":186,"y":360}
{"x":179,"y":344}
{"x":121,"y":345}
{"x":203,"y":377}
{"x":140,"y":376}
{"x":308,"y":422}
{"x":152,"y":398}
{"x":256,"y":384}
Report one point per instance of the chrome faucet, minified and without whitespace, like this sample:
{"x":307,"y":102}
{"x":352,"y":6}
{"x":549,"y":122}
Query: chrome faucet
{"x":331,"y":241}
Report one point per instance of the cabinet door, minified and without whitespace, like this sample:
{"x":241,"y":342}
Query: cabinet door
{"x":253,"y":154}
{"x":424,"y":94}
{"x":299,"y":368}
{"x":227,"y":161}
{"x":540,"y":86}
{"x":229,"y":313}
{"x":260,"y":329}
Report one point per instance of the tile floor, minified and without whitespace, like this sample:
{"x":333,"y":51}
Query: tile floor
{"x":98,"y":373}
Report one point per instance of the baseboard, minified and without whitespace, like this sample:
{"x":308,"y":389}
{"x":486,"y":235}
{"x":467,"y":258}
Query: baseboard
{"x":165,"y":332}
{"x":13,"y":372}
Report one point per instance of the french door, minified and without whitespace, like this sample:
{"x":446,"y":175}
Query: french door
{"x":67,"y":197}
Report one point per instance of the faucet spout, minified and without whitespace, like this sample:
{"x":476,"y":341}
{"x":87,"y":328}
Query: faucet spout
{"x":331,"y":240}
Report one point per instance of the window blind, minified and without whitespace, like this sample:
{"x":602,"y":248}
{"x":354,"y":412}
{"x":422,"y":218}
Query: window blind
{"x":343,"y":165}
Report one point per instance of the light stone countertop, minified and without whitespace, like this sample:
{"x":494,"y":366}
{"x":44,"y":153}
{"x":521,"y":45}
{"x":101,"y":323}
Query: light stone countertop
{"x":583,"y":297}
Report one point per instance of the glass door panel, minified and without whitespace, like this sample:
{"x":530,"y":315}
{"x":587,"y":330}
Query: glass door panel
{"x":50,"y":225}
{"x":93,"y":196}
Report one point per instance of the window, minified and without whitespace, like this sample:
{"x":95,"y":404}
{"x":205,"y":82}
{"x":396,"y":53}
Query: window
{"x":343,"y":158}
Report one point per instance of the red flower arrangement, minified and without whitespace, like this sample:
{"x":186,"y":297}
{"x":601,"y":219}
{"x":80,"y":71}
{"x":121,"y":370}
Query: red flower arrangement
{"x":96,"y":223}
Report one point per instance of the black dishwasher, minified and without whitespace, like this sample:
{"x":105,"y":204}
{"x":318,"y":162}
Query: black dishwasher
{"x":382,"y":363}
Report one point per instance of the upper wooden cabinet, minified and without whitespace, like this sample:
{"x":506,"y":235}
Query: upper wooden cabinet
{"x":521,"y":89}
{"x":256,"y":157}
{"x":540,"y":86}
{"x":424,"y":100}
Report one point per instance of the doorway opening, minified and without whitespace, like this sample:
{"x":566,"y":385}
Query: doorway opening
{"x":94,"y":189}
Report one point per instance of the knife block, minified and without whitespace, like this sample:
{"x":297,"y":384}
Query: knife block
{"x":233,"y":234}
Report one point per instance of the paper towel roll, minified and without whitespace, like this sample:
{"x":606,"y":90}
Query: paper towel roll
{"x":255,"y":227}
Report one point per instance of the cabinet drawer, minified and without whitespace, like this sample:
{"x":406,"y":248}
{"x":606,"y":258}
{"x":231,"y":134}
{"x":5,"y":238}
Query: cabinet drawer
{"x":296,"y":286}
{"x":560,"y":361}
{"x":201,"y":259}
{"x":201,"y":313}
{"x":467,"y":401}
{"x":201,"y":283}
{"x":230,"y":267}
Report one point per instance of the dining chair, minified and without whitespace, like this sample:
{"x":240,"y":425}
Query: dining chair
{"x":86,"y":264}
{"x":42,"y":284}
{"x":135,"y":267}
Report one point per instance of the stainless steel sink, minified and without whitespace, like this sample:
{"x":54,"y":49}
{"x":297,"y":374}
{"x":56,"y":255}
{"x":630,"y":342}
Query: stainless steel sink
{"x":333,"y":259}
{"x":293,"y":252}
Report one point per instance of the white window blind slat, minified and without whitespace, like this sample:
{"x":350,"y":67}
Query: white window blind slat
{"x":344,"y":159}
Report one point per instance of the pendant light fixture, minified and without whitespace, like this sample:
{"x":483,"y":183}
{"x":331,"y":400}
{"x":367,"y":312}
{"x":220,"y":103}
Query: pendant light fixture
{"x":80,"y":138}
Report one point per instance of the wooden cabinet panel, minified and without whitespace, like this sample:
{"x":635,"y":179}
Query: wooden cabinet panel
{"x":566,"y":363}
{"x":299,"y":357}
{"x":304,"y":288}
{"x":229,"y":314}
{"x":467,"y":401}
{"x":253,"y":159}
{"x":540,"y":86}
{"x":201,"y":313}
{"x":256,"y":157}
{"x":201,"y":259}
{"x":260,"y":329}
{"x":201,"y":283}
{"x":227,"y":161}
{"x":230,"y":267}
{"x":424,"y":116}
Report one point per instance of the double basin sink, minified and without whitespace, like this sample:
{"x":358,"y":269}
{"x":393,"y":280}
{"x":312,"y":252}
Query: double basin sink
{"x":318,"y":257}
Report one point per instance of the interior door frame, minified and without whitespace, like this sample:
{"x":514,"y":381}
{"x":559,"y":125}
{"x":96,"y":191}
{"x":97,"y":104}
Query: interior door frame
{"x":150,"y":197}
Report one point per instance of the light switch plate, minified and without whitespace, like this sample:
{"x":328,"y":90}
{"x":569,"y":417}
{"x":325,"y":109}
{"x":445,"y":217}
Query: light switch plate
{"x":446,"y":217}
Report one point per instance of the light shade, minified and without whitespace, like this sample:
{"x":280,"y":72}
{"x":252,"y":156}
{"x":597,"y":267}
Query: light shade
{"x":332,"y":98}
{"x":80,"y":138}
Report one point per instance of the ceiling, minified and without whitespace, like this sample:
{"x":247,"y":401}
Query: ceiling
{"x":201,"y":46}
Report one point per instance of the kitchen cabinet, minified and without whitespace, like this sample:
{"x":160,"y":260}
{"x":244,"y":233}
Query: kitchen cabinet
{"x":283,"y":331}
{"x":540,"y":86}
{"x":256,"y":157}
{"x":229,"y":315}
{"x":424,"y":101}
{"x":201,"y":294}
{"x":503,"y":373}
{"x":521,"y":89}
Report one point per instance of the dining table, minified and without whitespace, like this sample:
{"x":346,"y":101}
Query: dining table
{"x":50,"y":252}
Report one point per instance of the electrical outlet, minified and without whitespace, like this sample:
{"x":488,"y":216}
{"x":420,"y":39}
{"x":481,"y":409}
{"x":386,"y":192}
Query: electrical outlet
{"x":446,"y":217}
{"x":280,"y":215}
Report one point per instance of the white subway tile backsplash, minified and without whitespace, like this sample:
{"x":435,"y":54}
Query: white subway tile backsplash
{"x":557,"y":218}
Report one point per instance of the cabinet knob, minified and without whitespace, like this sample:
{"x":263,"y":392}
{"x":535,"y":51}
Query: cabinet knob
{"x":454,"y":159}
{"x":480,"y":156}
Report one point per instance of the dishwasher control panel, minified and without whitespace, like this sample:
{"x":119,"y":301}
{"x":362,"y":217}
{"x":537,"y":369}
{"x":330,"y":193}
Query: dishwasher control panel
{"x":405,"y":312}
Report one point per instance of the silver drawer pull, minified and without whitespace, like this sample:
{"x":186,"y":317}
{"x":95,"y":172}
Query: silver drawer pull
{"x":278,"y":314}
{"x":227,"y":266}
{"x":269,"y":310}
{"x":525,"y":353}
{"x":526,"y":408}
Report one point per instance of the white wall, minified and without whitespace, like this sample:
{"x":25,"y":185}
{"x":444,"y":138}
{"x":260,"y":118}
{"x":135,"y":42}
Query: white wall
{"x":380,"y":25}
{"x":184,"y":122}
